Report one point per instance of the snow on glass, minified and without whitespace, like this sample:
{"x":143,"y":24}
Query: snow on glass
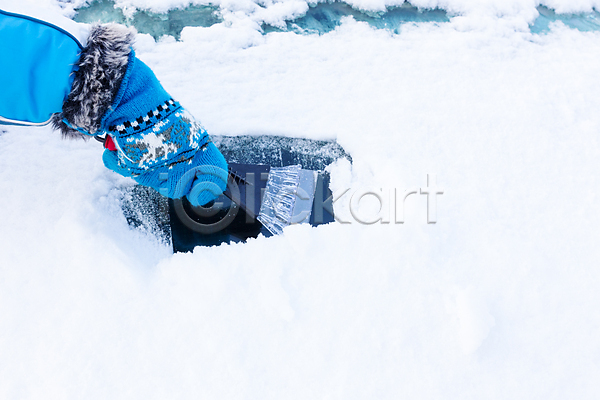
{"x":319,"y":18}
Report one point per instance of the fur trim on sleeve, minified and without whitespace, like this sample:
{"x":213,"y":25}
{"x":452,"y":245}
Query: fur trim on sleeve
{"x":98,"y":74}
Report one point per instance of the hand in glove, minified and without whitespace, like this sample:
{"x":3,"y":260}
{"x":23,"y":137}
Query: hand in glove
{"x":156,"y":141}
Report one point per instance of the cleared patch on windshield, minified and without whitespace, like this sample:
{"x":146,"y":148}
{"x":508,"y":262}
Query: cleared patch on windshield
{"x":157,"y":25}
{"x":583,"y":22}
{"x":319,"y":19}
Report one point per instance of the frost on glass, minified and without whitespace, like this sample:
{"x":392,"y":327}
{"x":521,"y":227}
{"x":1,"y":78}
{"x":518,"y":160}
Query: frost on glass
{"x":584,"y":22}
{"x":325,"y":17}
{"x":320,"y":18}
{"x":280,"y":151}
{"x":157,"y":25}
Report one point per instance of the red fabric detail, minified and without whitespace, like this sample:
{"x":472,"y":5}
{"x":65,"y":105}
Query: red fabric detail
{"x":109,"y":144}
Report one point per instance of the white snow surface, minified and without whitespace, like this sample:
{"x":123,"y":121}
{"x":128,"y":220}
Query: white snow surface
{"x":497,"y":300}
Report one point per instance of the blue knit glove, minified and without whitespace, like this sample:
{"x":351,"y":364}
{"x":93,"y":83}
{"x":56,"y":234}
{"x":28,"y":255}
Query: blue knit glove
{"x":202,"y":178}
{"x":158,"y":143}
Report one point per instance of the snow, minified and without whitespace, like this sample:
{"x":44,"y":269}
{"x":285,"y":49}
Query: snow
{"x":276,"y":13}
{"x":497,"y":300}
{"x":494,"y":7}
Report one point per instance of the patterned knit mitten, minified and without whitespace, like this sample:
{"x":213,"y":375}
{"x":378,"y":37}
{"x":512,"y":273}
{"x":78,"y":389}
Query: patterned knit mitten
{"x":156,"y":141}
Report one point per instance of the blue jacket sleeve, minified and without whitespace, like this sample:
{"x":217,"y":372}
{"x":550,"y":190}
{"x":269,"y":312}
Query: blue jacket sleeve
{"x":36,"y":65}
